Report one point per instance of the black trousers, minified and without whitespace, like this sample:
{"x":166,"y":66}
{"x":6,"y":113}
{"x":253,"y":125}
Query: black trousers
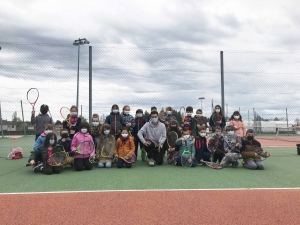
{"x":152,"y":152}
{"x":82,"y":163}
{"x":218,"y":155}
{"x":51,"y":169}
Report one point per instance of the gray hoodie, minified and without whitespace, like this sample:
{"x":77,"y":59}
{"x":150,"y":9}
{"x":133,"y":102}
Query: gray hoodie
{"x":155,"y":133}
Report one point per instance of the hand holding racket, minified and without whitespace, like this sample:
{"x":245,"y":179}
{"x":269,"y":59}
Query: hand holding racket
{"x":65,"y":113}
{"x":32,"y":97}
{"x":85,"y":148}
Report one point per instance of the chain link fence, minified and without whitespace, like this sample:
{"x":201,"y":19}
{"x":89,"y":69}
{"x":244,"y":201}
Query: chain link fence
{"x":256,"y":83}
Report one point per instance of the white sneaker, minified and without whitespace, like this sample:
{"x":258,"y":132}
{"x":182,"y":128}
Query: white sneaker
{"x":151,"y":162}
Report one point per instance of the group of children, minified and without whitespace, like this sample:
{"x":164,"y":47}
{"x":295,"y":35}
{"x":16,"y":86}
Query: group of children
{"x":149,"y":134}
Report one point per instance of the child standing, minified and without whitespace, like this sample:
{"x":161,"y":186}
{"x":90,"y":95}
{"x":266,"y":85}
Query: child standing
{"x":198,"y":121}
{"x":73,"y":124}
{"x":41,"y":120}
{"x":95,"y":129}
{"x":82,"y":161}
{"x":188,"y":120}
{"x":113,"y":118}
{"x":124,"y":149}
{"x":106,"y":139}
{"x":172,"y":151}
{"x":217,"y":119}
{"x":237,"y":122}
{"x":139,"y":123}
{"x":128,"y":119}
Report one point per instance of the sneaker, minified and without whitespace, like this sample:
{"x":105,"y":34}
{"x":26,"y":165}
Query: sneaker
{"x":38,"y":168}
{"x":199,"y":163}
{"x":151,"y":162}
{"x":235,"y":164}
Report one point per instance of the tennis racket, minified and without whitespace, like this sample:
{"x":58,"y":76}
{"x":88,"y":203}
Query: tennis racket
{"x":58,"y":159}
{"x":85,"y":149}
{"x":171,"y":139}
{"x":32,"y":96}
{"x":200,"y":121}
{"x":65,"y":113}
{"x":130,"y":159}
{"x":186,"y":158}
{"x":115,"y":127}
{"x":182,"y":113}
{"x":262,"y":153}
{"x":213,"y":165}
{"x":217,"y":119}
{"x":107,"y":150}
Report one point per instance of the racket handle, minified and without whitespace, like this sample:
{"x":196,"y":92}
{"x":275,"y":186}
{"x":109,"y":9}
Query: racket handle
{"x":28,"y":164}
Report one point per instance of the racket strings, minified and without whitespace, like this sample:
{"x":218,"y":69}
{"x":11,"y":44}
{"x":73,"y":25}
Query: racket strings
{"x":32,"y":95}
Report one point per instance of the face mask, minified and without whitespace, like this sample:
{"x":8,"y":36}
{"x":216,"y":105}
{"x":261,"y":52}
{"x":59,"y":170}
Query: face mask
{"x":64,"y":135}
{"x":126,"y":112}
{"x":154,"y":120}
{"x":217,"y":110}
{"x":124,"y":135}
{"x":106,"y":131}
{"x":186,"y":136}
{"x":250,"y":138}
{"x":198,"y":115}
{"x":169,"y":112}
{"x":48,"y":131}
{"x":139,"y":115}
{"x":236,"y":117}
{"x":202,"y":134}
{"x":218,"y":133}
{"x":84,"y":130}
{"x":74,"y":113}
{"x":189,"y":114}
{"x":115,"y":111}
{"x":44,"y":112}
{"x":52,"y":142}
{"x":95,"y":124}
{"x":230,"y":133}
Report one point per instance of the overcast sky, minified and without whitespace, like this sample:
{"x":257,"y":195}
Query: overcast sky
{"x":149,"y":53}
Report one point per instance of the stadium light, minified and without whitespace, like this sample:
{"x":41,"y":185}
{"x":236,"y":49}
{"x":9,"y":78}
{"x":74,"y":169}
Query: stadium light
{"x":201,"y":98}
{"x":80,"y":41}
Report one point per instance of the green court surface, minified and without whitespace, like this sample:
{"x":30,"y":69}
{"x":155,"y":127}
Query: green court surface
{"x":281,"y":171}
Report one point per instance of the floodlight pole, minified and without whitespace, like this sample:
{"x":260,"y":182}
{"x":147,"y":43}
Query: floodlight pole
{"x":201,"y":98}
{"x":80,"y":41}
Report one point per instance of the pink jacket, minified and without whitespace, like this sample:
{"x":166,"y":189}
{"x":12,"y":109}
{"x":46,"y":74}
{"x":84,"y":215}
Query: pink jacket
{"x":77,"y":139}
{"x":239,"y":125}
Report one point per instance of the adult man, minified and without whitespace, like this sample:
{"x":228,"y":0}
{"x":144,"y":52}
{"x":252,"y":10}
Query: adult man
{"x":155,"y":133}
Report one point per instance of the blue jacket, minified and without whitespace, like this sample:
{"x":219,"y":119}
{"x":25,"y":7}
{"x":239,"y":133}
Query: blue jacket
{"x":39,"y":141}
{"x":189,"y":144}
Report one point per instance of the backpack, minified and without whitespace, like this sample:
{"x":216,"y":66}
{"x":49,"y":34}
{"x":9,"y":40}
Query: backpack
{"x":15,"y":153}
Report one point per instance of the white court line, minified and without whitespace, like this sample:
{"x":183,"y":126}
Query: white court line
{"x":147,"y":190}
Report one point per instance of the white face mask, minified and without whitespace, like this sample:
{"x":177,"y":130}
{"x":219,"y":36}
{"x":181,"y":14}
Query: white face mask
{"x":106,"y":131}
{"x":202,"y":134}
{"x":115,"y":110}
{"x":230,"y":133}
{"x":189,"y":114}
{"x":217,"y":110}
{"x":169,"y":112}
{"x":83,"y":130}
{"x":199,"y":115}
{"x":186,"y":136}
{"x":74,"y":113}
{"x":236,"y":117}
{"x":47,"y":131}
{"x":126,"y":112}
{"x":124,"y":135}
{"x":154,"y":120}
{"x":139,"y":115}
{"x":95,"y":124}
{"x":52,"y":142}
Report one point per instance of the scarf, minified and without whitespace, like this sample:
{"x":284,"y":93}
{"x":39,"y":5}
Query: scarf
{"x":124,"y":139}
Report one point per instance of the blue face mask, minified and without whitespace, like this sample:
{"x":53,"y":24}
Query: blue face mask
{"x":230,"y":133}
{"x":47,"y":131}
{"x":52,"y":142}
{"x":95,"y":124}
{"x":154,"y":120}
{"x":115,"y":111}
